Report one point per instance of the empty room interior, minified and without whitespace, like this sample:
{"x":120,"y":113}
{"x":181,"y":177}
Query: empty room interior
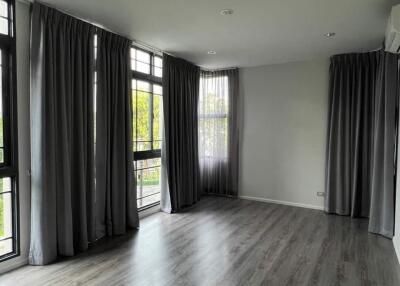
{"x":200,"y":142}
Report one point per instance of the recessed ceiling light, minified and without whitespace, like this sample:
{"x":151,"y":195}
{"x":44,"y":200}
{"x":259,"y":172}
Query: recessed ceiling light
{"x":226,"y":12}
{"x":211,"y":52}
{"x":329,"y":35}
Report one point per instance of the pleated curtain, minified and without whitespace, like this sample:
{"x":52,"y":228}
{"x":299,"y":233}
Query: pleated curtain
{"x":76,"y":199}
{"x":180,"y":154}
{"x":115,"y":182}
{"x":62,"y":192}
{"x":362,"y":133}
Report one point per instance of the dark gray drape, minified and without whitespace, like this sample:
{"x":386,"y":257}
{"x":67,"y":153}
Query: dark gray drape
{"x":115,"y":182}
{"x":219,"y":119}
{"x":235,"y":116}
{"x":62,"y":212}
{"x":180,"y":96}
{"x":361,"y":138}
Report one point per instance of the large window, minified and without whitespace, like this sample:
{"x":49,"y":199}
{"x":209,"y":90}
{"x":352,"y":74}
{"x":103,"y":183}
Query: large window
{"x":213,"y":118}
{"x":147,"y":124}
{"x":9,"y":243}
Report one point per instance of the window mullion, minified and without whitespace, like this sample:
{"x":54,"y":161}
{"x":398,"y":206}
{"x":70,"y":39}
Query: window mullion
{"x":151,"y":114}
{"x":11,"y":19}
{"x":136,"y":118}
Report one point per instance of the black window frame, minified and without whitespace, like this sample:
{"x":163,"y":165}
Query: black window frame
{"x":152,"y":80}
{"x":9,"y":168}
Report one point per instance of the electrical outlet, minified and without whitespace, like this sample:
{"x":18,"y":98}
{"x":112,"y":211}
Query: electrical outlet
{"x":321,"y":194}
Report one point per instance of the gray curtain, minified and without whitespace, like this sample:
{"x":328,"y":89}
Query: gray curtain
{"x":360,"y":164}
{"x":115,"y":182}
{"x":62,"y":212}
{"x":219,"y":132}
{"x":180,"y":99}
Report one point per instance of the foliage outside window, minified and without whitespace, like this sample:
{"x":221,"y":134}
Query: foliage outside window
{"x":147,"y":124}
{"x":213,"y":119}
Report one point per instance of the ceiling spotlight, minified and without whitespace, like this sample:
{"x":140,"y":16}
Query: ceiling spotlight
{"x":211,"y":52}
{"x":226,"y":12}
{"x":329,"y":35}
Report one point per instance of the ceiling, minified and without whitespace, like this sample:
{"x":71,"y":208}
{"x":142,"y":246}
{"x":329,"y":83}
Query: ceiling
{"x":260,"y":32}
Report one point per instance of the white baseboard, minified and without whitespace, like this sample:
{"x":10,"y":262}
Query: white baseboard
{"x":396,"y":244}
{"x":265,"y":200}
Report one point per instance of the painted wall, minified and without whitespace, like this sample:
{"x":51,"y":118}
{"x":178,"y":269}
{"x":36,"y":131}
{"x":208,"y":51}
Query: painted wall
{"x":23,"y":87}
{"x":396,"y":238}
{"x":284,"y":132}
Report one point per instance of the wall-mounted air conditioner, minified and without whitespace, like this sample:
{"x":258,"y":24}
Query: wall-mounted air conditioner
{"x":392,"y":38}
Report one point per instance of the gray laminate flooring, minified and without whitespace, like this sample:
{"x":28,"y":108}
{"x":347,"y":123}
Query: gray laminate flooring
{"x":230,"y":242}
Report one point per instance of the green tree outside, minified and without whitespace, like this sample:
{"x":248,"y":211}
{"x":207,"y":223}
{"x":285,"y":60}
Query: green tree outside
{"x":142,"y":123}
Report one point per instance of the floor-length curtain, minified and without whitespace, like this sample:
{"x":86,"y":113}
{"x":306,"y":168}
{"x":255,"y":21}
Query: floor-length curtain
{"x":165,"y":199}
{"x":62,"y":213}
{"x":218,"y":114}
{"x":361,"y":138}
{"x":180,"y":99}
{"x":115,"y":181}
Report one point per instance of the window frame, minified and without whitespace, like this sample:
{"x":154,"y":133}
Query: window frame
{"x":144,"y":76}
{"x":10,"y":128}
{"x":152,"y":80}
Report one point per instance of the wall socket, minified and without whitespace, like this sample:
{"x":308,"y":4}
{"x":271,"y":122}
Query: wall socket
{"x":321,"y":194}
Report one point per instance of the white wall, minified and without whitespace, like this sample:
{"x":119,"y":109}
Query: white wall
{"x":284,"y":134}
{"x":396,"y":238}
{"x":22,"y":26}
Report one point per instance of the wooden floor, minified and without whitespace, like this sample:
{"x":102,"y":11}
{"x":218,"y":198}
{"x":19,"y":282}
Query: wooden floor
{"x":230,"y":242}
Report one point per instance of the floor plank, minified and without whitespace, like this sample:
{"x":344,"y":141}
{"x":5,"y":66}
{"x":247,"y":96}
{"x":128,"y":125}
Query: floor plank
{"x":225,"y":241}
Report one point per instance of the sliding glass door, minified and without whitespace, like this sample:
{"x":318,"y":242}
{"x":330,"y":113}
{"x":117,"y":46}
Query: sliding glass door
{"x":9,"y":241}
{"x":147,"y":125}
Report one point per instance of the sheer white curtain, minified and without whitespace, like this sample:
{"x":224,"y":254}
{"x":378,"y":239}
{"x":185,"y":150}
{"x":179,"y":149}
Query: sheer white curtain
{"x":165,"y":200}
{"x":217,"y":113}
{"x":213,"y":120}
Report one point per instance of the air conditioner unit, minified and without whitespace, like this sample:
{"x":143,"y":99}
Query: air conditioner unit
{"x":392,"y":38}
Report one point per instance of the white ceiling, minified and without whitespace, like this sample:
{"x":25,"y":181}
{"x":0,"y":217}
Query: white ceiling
{"x":260,"y":32}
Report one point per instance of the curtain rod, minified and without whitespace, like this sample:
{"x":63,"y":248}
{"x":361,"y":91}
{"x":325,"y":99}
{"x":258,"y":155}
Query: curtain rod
{"x":98,"y":25}
{"x":220,"y":69}
{"x":136,"y":42}
{"x":24,"y":2}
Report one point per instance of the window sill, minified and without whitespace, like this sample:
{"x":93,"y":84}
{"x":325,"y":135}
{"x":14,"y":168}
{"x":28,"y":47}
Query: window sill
{"x":8,"y":257}
{"x":148,"y":206}
{"x":149,"y":210}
